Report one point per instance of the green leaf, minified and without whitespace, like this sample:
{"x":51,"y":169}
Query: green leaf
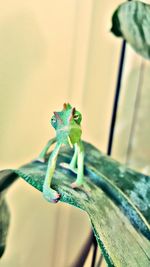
{"x":7,"y":177}
{"x":131,"y":21}
{"x":118,"y":204}
{"x":4,"y":224}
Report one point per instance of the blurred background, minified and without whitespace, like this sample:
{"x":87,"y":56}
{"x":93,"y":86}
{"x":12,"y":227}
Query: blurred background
{"x":53,"y":52}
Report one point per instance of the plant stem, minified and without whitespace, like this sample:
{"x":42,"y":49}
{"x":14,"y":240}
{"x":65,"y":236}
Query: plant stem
{"x":116,"y":98}
{"x":100,"y":261}
{"x":94,"y":253}
{"x":114,"y":116}
{"x":84,"y":251}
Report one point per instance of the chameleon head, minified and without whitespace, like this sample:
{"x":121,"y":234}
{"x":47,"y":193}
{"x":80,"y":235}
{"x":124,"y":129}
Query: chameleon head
{"x":67,"y":124}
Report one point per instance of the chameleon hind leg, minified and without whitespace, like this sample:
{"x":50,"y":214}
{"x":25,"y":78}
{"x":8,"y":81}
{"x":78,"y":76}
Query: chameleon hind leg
{"x":43,"y":153}
{"x":73,"y":163}
{"x":80,"y":166}
{"x":50,"y":194}
{"x":77,"y":166}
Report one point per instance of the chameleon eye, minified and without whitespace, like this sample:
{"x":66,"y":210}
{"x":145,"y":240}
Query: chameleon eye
{"x":76,"y":116}
{"x":53,"y":120}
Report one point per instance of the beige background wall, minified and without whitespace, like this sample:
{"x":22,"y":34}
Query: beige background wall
{"x":52,"y":52}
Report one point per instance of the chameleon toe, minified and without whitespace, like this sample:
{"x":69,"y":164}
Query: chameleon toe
{"x":56,"y":199}
{"x":77,"y":184}
{"x":74,"y":185}
{"x":50,"y":194}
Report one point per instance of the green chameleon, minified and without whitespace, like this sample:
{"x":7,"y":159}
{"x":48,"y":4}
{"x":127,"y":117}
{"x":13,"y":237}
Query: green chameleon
{"x":67,"y":124}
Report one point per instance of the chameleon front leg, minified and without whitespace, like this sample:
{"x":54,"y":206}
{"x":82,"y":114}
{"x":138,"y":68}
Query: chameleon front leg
{"x":43,"y":153}
{"x":50,"y":194}
{"x":80,"y":169}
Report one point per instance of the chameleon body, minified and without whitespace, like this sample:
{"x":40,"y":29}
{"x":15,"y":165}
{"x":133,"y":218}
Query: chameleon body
{"x":67,"y":124}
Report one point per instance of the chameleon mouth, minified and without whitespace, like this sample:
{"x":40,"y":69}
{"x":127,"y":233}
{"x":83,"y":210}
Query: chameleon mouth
{"x":66,"y":129}
{"x":69,"y":134}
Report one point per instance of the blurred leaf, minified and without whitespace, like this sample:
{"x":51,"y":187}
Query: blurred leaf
{"x":131,"y":21}
{"x":4,"y":224}
{"x":7,"y":177}
{"x":118,"y":204}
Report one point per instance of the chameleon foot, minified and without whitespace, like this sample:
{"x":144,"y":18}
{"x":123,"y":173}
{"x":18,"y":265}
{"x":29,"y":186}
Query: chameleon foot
{"x":80,"y":185}
{"x":76,"y":184}
{"x":51,"y":195}
{"x":68,"y":167}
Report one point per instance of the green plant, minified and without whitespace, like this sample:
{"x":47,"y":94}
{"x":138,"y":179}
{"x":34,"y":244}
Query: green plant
{"x":119,"y":201}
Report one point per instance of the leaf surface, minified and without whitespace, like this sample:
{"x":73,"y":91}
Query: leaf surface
{"x":131,"y":21}
{"x":7,"y":177}
{"x":4,"y":224}
{"x":118,"y":204}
